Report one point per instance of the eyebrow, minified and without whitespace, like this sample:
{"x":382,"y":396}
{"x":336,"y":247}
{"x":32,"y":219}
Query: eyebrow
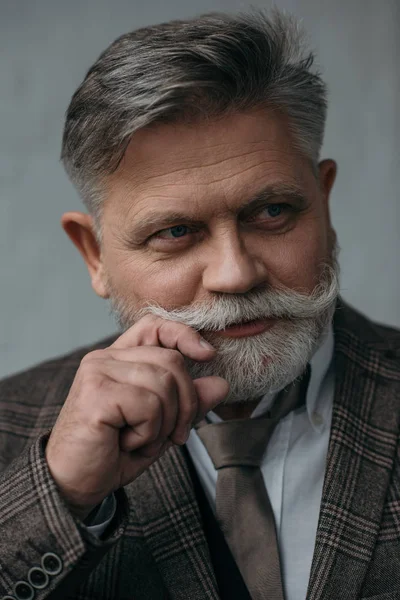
{"x":157,"y":220}
{"x":271,"y":194}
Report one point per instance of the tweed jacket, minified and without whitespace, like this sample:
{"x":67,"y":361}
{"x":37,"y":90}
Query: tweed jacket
{"x":155,"y":548}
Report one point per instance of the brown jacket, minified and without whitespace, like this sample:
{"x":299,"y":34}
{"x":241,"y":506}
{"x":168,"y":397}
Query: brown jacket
{"x":156,"y":548}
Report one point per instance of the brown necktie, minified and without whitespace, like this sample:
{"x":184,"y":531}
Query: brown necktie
{"x":243,"y":509}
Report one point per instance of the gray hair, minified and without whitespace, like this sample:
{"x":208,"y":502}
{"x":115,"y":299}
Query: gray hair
{"x":189,"y":70}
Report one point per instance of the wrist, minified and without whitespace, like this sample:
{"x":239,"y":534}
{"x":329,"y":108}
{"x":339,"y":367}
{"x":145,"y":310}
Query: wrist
{"x":83,"y":513}
{"x":80,"y":510}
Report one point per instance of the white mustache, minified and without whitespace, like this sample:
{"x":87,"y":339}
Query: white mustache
{"x":266,"y":304}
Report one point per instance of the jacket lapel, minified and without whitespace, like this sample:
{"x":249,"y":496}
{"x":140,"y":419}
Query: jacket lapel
{"x":169,"y":517}
{"x":360,"y":457}
{"x":363,"y":440}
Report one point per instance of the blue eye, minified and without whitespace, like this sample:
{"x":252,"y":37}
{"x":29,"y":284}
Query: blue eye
{"x":175,"y":232}
{"x":178,"y":231}
{"x":274,"y":210}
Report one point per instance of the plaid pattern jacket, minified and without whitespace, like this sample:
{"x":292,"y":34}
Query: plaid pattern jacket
{"x":156,"y":549}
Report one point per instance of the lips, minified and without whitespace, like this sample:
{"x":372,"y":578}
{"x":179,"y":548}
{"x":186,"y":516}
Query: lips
{"x":247,"y":329}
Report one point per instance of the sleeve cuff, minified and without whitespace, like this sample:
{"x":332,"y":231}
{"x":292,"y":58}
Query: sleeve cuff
{"x":98,"y":522}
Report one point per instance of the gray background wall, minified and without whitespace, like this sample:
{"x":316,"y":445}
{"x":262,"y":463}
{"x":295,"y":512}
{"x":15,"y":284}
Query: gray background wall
{"x":46,"y":303}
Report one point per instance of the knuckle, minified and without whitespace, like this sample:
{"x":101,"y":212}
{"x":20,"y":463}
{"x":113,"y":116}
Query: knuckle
{"x":168,"y":380}
{"x":95,"y":419}
{"x":174,"y":357}
{"x":91,"y":356}
{"x":149,"y":432}
{"x":147,"y":371}
{"x":90,"y":376}
{"x":149,"y":318}
{"x":145,"y":321}
{"x":153,"y":406}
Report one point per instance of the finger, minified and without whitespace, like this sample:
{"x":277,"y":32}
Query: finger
{"x":153,"y":331}
{"x":144,"y":430}
{"x":211,"y":391}
{"x":155,"y":449}
{"x":148,"y":385}
{"x":173,"y":362}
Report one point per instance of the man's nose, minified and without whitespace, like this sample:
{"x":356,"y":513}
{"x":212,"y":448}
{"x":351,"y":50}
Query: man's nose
{"x":233,"y":268}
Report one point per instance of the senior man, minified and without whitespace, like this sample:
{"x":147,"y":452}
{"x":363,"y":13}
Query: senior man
{"x":238,"y":437}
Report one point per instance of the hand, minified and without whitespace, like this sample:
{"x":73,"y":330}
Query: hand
{"x":128,"y":403}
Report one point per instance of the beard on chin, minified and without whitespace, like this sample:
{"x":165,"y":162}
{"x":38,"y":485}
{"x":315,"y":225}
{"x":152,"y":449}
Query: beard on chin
{"x":258,"y":364}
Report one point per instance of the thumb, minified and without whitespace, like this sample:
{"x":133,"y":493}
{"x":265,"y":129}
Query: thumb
{"x":210,"y":392}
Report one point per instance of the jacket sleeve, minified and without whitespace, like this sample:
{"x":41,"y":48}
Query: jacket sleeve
{"x":45,"y":552}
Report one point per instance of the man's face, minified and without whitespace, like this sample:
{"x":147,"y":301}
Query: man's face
{"x":187,"y":216}
{"x":224,"y":209}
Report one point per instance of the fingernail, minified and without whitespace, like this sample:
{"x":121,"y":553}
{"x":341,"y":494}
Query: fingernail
{"x":205,"y":344}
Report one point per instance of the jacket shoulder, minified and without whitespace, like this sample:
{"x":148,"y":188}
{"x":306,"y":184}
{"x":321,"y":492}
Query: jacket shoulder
{"x":51,"y":371}
{"x":381,"y":337}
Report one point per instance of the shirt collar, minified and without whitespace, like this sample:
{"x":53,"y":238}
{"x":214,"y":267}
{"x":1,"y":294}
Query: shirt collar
{"x":319,"y":363}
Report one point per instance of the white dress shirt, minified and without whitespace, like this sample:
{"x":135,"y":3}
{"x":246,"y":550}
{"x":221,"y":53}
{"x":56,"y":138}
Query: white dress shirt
{"x":293,"y":469}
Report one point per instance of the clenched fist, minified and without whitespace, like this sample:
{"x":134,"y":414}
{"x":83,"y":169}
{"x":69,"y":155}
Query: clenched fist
{"x":127,"y":404}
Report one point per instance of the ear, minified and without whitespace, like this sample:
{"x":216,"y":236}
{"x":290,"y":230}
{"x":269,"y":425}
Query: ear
{"x":327,"y":175}
{"x":80,"y":229}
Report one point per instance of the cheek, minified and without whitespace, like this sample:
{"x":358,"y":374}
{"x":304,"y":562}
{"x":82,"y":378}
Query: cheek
{"x":297,"y":260}
{"x":140,"y":280}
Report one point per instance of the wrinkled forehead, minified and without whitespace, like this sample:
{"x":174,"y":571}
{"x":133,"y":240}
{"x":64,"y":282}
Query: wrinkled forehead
{"x":230,"y":156}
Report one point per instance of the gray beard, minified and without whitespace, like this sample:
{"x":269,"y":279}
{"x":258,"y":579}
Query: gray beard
{"x":259,"y":364}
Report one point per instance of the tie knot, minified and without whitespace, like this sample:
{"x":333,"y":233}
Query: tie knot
{"x":237,"y":443}
{"x":242,"y":442}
